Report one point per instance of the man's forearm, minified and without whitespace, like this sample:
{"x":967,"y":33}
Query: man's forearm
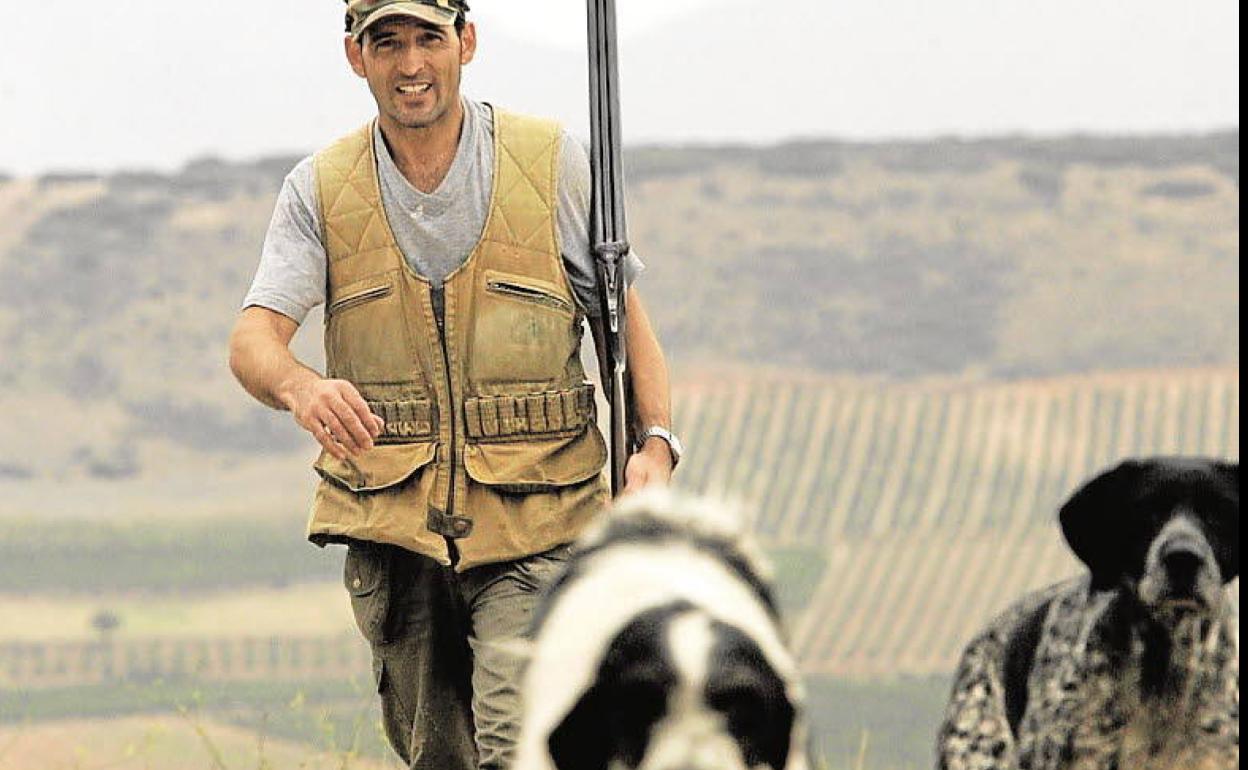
{"x":261,"y":360}
{"x":331,"y":410}
{"x":647,"y":369}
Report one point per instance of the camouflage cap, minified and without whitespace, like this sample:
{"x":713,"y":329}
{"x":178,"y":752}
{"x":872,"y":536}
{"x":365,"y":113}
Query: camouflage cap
{"x":361,"y":14}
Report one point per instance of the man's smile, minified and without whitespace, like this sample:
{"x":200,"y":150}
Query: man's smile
{"x":415,"y":88}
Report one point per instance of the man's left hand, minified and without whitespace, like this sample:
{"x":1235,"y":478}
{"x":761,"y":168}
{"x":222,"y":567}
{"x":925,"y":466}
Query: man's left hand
{"x":650,"y":466}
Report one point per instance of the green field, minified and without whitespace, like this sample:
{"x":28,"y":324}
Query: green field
{"x":180,"y":554}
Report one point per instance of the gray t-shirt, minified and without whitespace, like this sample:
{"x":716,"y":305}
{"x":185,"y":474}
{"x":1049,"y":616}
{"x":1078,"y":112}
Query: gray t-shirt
{"x":436,"y":231}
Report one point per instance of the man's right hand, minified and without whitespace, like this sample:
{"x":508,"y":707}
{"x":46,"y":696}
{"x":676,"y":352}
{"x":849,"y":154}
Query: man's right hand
{"x":335,"y":414}
{"x":331,"y":410}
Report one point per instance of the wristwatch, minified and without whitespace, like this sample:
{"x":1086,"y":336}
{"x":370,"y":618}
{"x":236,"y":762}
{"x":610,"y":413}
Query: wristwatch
{"x":673,"y":444}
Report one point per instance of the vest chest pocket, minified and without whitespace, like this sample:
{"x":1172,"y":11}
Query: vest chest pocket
{"x":366,"y":334}
{"x":525,"y":330}
{"x":360,"y":297}
{"x":526,"y":293}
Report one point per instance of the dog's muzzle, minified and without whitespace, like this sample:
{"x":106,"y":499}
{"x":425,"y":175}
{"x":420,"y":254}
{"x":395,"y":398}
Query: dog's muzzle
{"x":700,"y":749}
{"x":1182,"y":561}
{"x":1181,"y":572}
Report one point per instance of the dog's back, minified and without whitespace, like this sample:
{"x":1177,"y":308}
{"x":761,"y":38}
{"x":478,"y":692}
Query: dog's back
{"x":1038,"y":689}
{"x":990,"y":690}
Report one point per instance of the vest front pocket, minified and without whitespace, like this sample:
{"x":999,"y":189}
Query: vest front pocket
{"x":524,"y":330}
{"x":366,"y":334}
{"x":380,"y":468}
{"x":528,"y":495}
{"x":537,"y":464}
{"x":380,"y":496}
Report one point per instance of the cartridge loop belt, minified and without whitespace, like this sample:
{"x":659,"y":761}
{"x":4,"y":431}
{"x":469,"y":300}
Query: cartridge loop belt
{"x":534,"y":414}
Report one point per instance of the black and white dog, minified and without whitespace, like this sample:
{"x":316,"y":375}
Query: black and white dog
{"x":659,"y":648}
{"x":1134,"y":666}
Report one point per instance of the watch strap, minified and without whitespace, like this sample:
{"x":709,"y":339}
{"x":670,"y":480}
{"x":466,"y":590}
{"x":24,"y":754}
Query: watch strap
{"x":673,"y":444}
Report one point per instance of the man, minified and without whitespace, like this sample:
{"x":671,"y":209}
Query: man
{"x":460,"y":455}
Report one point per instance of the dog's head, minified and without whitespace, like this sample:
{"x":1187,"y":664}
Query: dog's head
{"x":659,"y":648}
{"x":1166,"y":528}
{"x":678,"y":690}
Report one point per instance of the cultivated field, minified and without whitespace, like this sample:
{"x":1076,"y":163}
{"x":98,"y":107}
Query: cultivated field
{"x":305,"y":609}
{"x":900,"y":516}
{"x":932,"y":504}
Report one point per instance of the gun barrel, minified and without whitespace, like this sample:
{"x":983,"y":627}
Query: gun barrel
{"x":608,"y":228}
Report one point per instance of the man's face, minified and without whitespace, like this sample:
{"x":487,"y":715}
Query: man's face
{"x":412,"y":68}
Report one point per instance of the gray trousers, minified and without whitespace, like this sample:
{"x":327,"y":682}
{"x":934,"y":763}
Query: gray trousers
{"x":448,"y":679}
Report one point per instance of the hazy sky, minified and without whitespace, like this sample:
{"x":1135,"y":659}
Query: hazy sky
{"x":143,"y":83}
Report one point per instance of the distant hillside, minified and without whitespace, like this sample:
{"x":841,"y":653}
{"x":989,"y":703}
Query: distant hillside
{"x":1006,"y":257}
{"x":994,"y":258}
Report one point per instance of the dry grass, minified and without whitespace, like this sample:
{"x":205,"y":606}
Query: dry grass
{"x":161,"y":743}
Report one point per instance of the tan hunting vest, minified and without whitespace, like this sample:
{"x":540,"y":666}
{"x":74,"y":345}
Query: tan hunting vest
{"x":490,"y":438}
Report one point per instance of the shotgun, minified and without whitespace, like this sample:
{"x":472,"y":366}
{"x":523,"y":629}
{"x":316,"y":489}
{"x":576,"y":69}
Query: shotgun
{"x":608,"y":233}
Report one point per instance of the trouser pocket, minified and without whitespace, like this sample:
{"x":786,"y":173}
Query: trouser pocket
{"x":366,"y":575}
{"x":537,"y":572}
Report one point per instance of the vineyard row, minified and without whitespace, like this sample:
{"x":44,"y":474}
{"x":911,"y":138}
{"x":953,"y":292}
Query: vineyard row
{"x":32,"y":666}
{"x":822,"y":461}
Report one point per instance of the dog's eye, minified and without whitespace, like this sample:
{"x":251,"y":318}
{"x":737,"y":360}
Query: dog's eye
{"x":643,"y":699}
{"x":742,"y":702}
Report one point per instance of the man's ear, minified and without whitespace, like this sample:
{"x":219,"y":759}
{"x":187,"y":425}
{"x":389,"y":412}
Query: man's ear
{"x":467,"y":43}
{"x":1093,"y":520}
{"x":355,"y":54}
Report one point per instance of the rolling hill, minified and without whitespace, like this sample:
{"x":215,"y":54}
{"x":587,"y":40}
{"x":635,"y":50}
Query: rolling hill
{"x":989,"y":259}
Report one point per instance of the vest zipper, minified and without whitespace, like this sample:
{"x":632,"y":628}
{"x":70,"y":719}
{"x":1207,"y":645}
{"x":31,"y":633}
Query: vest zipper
{"x":528,"y":293}
{"x":438,"y":299}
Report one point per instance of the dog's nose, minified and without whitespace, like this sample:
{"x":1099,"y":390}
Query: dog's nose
{"x":1182,"y":563}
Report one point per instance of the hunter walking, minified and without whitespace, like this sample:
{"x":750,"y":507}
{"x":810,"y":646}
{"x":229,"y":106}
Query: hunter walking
{"x":448,"y":240}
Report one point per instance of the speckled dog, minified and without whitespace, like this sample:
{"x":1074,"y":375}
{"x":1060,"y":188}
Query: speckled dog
{"x":1134,"y":666}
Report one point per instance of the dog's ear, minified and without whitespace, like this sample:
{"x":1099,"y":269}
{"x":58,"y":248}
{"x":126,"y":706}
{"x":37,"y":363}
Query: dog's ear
{"x":1226,"y":547}
{"x":580,"y":742}
{"x":1092,"y":520}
